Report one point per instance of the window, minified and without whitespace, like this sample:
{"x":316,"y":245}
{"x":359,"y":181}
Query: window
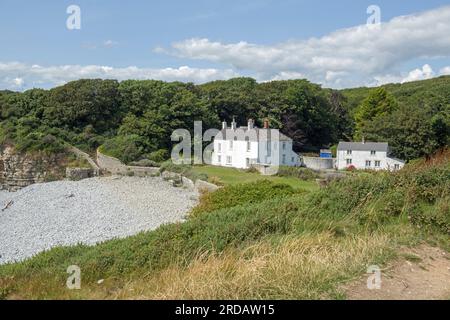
{"x":292,"y":159}
{"x":349,"y":161}
{"x":373,"y":152}
{"x":219,"y":159}
{"x":269,"y":151}
{"x":396,"y":166}
{"x":368,"y":163}
{"x":229,"y":159}
{"x":349,"y":151}
{"x":219,"y":147}
{"x":231,"y":145}
{"x":284,"y":159}
{"x":248,"y":143}
{"x":377,"y":163}
{"x":284,"y":145}
{"x":247,"y":162}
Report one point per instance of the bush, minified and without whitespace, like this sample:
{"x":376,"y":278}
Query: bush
{"x":159,"y":156}
{"x":184,"y":170}
{"x":297,"y":172}
{"x":234,"y":195}
{"x":126,"y":148}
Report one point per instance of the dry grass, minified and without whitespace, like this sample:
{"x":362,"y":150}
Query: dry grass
{"x":295,"y":268}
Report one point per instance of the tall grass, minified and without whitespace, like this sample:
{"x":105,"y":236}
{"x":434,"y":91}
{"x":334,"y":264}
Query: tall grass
{"x":265,"y":241}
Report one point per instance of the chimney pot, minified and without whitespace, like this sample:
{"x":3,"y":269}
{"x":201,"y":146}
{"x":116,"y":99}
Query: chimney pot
{"x":266,"y":123}
{"x":233,"y":124}
{"x":224,"y":125}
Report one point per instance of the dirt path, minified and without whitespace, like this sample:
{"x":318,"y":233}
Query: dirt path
{"x":422,"y":273}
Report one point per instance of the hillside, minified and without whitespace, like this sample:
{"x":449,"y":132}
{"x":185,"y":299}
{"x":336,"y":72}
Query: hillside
{"x":133,"y":120}
{"x":284,"y":244}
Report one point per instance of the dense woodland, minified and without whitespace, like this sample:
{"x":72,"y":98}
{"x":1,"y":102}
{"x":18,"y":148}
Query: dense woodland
{"x":134,"y":119}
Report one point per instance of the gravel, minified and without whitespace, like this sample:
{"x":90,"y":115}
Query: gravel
{"x":62,"y":213}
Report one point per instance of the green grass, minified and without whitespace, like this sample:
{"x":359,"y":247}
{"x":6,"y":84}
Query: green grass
{"x":265,"y":241}
{"x":232,"y":176}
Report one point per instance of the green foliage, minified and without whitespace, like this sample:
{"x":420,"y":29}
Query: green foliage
{"x":160,"y":155}
{"x":185,"y":170}
{"x":89,"y":113}
{"x":234,"y":195}
{"x":126,"y":148}
{"x":418,"y":127}
{"x":296,"y":172}
{"x":378,"y":103}
{"x":411,"y":204}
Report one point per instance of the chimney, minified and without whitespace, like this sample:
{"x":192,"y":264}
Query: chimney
{"x":266,"y":123}
{"x":224,"y":125}
{"x":250,"y":124}
{"x":233,"y":124}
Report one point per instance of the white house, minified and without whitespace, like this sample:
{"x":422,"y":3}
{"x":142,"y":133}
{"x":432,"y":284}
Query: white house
{"x":366,"y":155}
{"x":246,"y":146}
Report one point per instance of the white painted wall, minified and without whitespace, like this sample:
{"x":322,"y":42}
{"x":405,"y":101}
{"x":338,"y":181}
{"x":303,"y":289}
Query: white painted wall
{"x":258,"y":153}
{"x":359,"y":158}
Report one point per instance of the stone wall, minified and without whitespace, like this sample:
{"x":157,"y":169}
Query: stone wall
{"x":115,"y":166}
{"x":18,"y":170}
{"x":316,"y":163}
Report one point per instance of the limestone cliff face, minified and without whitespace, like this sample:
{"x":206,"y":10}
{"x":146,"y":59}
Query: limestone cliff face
{"x":18,"y":170}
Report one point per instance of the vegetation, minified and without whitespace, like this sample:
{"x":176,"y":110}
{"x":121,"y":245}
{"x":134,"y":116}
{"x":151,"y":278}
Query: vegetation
{"x":239,"y":194}
{"x":413,"y":117}
{"x":297,"y":172}
{"x":261,"y":245}
{"x":232,"y":176}
{"x":133,"y":120}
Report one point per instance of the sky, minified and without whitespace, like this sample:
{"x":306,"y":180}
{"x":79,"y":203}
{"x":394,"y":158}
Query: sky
{"x":327,"y":42}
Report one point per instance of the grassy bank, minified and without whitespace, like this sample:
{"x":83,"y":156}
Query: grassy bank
{"x":232,"y":176}
{"x":271,"y":242}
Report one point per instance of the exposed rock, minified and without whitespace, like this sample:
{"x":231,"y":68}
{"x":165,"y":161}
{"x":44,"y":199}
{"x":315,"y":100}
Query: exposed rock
{"x":79,"y":173}
{"x":203,"y":186}
{"x":18,"y":170}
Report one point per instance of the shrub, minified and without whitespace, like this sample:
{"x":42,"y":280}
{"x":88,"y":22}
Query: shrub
{"x":184,"y":170}
{"x":297,"y":172}
{"x":159,"y":156}
{"x":126,"y":148}
{"x":234,"y":195}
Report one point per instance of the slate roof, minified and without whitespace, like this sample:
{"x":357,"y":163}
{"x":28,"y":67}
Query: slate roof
{"x":366,"y":146}
{"x":255,"y":134}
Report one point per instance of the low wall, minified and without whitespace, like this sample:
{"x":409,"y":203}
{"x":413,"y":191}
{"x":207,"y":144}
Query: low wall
{"x":110,"y":164}
{"x":115,"y":166}
{"x":316,"y":163}
{"x":84,"y":155}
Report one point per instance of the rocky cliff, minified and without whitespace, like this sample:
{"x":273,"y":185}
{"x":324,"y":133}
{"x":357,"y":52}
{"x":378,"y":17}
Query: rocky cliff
{"x":18,"y":170}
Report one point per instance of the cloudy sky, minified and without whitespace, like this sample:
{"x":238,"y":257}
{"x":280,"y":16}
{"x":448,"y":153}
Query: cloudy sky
{"x":328,"y":42}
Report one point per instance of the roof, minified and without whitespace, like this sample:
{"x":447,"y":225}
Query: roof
{"x":364,"y":146}
{"x":255,"y":134}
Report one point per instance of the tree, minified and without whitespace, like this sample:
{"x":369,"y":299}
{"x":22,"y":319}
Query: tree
{"x":378,"y":103}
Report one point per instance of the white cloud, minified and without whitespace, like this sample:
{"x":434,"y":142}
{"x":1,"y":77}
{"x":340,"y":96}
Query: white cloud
{"x":419,"y":74}
{"x":445,"y":71}
{"x":355,"y":54}
{"x":18,"y":82}
{"x":39,"y":76}
{"x":426,"y":72}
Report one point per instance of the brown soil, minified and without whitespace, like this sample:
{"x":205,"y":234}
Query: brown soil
{"x":421,"y":273}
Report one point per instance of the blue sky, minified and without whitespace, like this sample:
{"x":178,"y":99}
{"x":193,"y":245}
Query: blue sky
{"x":203,"y":40}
